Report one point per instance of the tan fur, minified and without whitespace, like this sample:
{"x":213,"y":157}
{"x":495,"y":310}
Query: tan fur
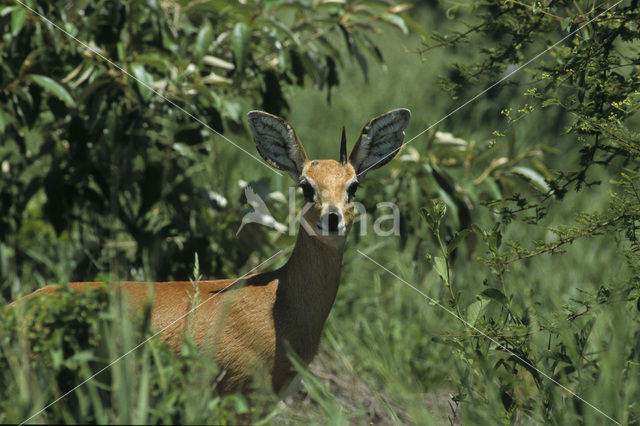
{"x":247,"y":326}
{"x":331,"y":179}
{"x":250,"y":325}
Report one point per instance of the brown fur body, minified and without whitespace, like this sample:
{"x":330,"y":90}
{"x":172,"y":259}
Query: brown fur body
{"x":246,"y":324}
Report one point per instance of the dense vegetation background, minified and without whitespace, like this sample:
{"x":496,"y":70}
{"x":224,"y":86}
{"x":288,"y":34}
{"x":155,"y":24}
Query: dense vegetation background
{"x":519,"y":210}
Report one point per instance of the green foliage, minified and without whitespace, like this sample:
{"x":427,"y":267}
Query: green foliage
{"x":591,"y":78}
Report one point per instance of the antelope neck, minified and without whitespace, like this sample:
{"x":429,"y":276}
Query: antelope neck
{"x":312,"y":276}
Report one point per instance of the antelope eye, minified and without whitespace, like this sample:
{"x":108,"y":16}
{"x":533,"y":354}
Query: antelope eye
{"x":308,"y":191}
{"x":351,"y":190}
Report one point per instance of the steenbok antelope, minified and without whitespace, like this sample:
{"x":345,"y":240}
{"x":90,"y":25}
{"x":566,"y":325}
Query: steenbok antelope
{"x":250,"y":324}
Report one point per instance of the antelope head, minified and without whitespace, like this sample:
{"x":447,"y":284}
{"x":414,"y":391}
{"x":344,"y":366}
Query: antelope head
{"x":329,"y":186}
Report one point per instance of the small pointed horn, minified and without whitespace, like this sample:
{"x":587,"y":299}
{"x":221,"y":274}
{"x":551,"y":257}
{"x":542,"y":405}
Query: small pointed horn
{"x":343,"y":147}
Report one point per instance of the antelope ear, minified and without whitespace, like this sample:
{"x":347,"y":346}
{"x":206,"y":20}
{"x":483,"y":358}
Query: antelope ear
{"x":379,"y":141}
{"x":277,"y":143}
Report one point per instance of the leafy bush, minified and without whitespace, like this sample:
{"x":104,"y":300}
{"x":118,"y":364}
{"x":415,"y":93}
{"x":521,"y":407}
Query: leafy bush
{"x":518,"y":358}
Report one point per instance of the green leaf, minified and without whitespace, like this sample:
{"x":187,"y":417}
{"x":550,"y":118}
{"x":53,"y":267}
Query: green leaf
{"x":440,"y":266}
{"x":5,"y":120}
{"x":285,"y":30}
{"x":428,"y":217}
{"x":397,"y":21}
{"x":312,"y":65}
{"x":433,"y":214}
{"x":214,"y":61}
{"x":494,"y":239}
{"x":7,"y":10}
{"x":232,"y":109}
{"x":33,"y":140}
{"x":53,"y":87}
{"x":143,"y":79}
{"x":362,"y":61}
{"x":533,"y":176}
{"x":240,"y":44}
{"x":494,"y":189}
{"x":161,"y":62}
{"x":17,"y":20}
{"x":549,"y":102}
{"x":203,"y":41}
{"x":458,"y":237}
{"x":440,"y":209}
{"x":415,"y":27}
{"x":474,"y":310}
{"x":57,"y":357}
{"x":497,"y":295}
{"x":184,"y":150}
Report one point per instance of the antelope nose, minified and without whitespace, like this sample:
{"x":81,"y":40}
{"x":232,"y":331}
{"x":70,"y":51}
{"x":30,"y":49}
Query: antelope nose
{"x":333,"y":221}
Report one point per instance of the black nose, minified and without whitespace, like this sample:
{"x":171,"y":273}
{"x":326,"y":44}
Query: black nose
{"x":333,"y":220}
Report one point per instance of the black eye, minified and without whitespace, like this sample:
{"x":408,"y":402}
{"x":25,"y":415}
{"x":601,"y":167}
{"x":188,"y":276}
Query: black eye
{"x":351,"y":190}
{"x":308,"y":191}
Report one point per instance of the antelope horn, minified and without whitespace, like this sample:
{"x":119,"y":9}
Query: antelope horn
{"x":343,"y":147}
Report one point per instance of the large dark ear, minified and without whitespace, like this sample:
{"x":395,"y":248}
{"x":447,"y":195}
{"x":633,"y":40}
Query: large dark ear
{"x":277,"y":143}
{"x":379,"y":141}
